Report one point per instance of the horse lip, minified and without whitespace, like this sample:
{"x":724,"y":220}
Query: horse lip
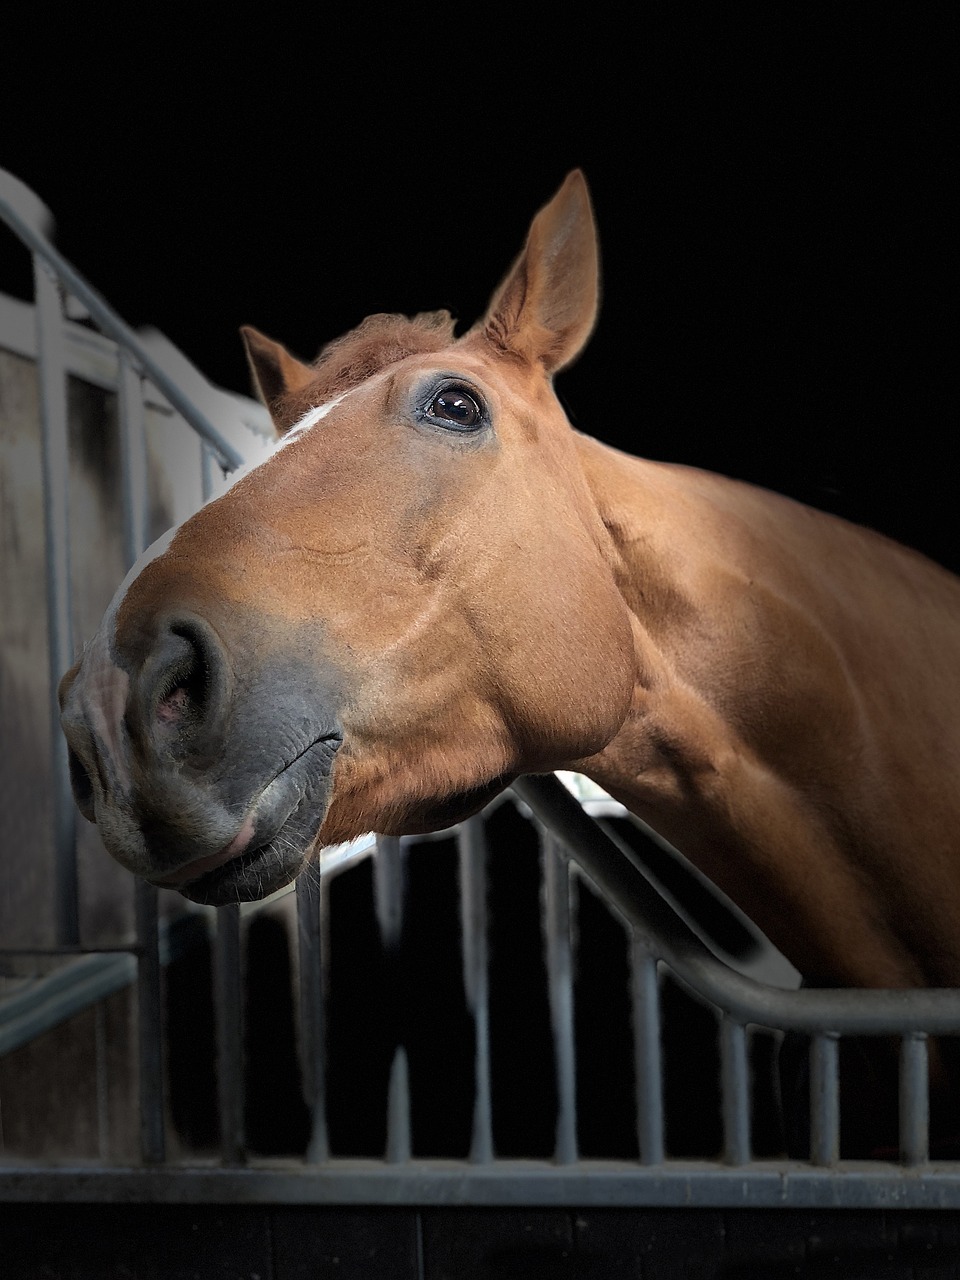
{"x":285,"y":787}
{"x":200,"y":866}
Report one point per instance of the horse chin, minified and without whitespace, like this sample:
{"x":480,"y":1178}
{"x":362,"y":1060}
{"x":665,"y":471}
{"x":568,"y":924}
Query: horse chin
{"x":249,"y":877}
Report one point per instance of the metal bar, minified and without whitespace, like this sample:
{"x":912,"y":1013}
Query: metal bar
{"x":133,"y":458}
{"x":824,"y":1100}
{"x":388,"y":882}
{"x":149,"y":1024}
{"x":623,"y":884}
{"x":111,"y":324}
{"x":557,"y":931}
{"x":229,"y":1015}
{"x":472,"y":851}
{"x":646,"y":1049}
{"x":914,"y":1100}
{"x":56,"y":515}
{"x":102,"y":1080}
{"x":84,"y":981}
{"x":133,"y":472}
{"x":735,"y":1091}
{"x":398,"y":1109}
{"x":388,"y":890}
{"x":517,"y":1184}
{"x":75,"y":949}
{"x":310,"y":904}
{"x":207,"y":463}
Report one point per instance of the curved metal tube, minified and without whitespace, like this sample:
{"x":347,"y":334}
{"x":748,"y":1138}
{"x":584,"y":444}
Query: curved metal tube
{"x":669,"y":938}
{"x":24,"y":213}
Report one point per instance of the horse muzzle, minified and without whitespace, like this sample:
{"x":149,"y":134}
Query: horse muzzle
{"x":207,"y":769}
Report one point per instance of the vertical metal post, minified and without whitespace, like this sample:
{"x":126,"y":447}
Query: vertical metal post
{"x":229,"y":1015}
{"x":472,"y":850}
{"x":310,"y":906}
{"x":914,"y":1099}
{"x":556,"y":927}
{"x":646,"y":1049}
{"x":207,"y":464}
{"x":102,"y":1081}
{"x":133,"y":458}
{"x":824,"y":1099}
{"x":735,"y":1091}
{"x":388,"y":876}
{"x":398,"y":1109}
{"x":133,"y":471}
{"x":388,"y":890}
{"x":152,"y":1143}
{"x":51,"y":368}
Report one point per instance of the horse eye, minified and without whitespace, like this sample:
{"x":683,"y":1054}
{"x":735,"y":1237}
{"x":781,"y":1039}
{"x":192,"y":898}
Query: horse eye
{"x":458,"y":407}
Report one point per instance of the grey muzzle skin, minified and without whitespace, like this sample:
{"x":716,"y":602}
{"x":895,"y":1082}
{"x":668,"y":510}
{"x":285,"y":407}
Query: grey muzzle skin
{"x":207,"y":767}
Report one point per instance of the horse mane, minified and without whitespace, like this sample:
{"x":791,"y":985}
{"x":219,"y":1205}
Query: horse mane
{"x":378,"y":341}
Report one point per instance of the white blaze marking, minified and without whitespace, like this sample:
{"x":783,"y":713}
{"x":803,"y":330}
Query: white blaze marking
{"x":105,"y":631}
{"x":152,"y":552}
{"x":157,"y":548}
{"x":311,"y":418}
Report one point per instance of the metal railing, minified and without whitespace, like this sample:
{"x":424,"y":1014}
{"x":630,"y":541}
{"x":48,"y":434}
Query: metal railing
{"x":572,"y":843}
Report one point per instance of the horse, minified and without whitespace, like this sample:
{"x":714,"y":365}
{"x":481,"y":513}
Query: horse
{"x":436,"y":584}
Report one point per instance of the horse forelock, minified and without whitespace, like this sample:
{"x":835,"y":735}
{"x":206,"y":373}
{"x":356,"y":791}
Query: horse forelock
{"x":375,"y":343}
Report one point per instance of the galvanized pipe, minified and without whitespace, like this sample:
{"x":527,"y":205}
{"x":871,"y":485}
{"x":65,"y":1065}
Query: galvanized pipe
{"x":229,"y":1020}
{"x":472,"y":852}
{"x":310,"y":909}
{"x":388,"y":883}
{"x":111,"y":324}
{"x":149,"y":1024}
{"x":55,"y":442}
{"x":133,"y":459}
{"x":622,"y":882}
{"x":557,"y":933}
{"x":735,"y":1091}
{"x":646,"y":1049}
{"x":398,"y":1109}
{"x":914,"y":1100}
{"x":207,"y":463}
{"x":388,"y":890}
{"x":824,"y":1100}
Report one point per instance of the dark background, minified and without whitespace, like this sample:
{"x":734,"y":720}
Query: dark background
{"x":772,"y":184}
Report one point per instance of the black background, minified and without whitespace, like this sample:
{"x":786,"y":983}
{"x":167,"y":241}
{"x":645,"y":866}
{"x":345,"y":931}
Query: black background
{"x":772,"y":185}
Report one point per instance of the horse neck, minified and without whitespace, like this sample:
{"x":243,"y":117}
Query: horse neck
{"x":759,"y":742}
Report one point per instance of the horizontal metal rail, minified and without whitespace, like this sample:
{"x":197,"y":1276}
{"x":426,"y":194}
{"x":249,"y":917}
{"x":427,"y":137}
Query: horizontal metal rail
{"x":84,"y":979}
{"x":585,"y":1184}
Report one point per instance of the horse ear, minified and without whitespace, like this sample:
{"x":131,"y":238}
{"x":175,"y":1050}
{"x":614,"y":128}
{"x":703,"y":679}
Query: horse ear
{"x":546,"y":307}
{"x":275,"y":371}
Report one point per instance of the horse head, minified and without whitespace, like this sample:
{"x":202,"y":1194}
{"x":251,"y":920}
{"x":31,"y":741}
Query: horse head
{"x":412,"y":601}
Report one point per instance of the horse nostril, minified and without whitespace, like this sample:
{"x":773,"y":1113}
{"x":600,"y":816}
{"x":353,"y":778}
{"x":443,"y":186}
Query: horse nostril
{"x":185,"y":687}
{"x":185,"y":681}
{"x":173,"y":706}
{"x":81,"y":785}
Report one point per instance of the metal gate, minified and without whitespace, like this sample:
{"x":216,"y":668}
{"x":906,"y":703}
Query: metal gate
{"x":73,"y":971}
